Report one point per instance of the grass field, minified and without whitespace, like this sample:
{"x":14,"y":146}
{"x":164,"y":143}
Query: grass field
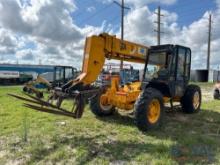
{"x":29,"y":137}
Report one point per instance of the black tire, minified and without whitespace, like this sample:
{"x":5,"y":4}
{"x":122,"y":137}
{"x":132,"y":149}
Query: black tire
{"x":29,"y":91}
{"x":39,"y":95}
{"x":142,"y":109}
{"x":216,"y":94}
{"x":96,"y":108}
{"x":187,"y":101}
{"x":25,"y":89}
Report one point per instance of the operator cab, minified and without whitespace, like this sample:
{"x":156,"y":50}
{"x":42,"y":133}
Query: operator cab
{"x":168,"y":68}
{"x":62,"y":74}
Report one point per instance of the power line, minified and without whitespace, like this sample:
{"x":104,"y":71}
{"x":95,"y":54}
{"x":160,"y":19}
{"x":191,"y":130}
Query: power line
{"x":123,"y":7}
{"x":112,"y":21}
{"x":188,"y":19}
{"x":122,"y":16}
{"x":188,"y":16}
{"x":95,"y":14}
{"x":192,"y":11}
{"x":187,"y":8}
{"x":82,"y":11}
{"x":188,"y":13}
{"x":182,"y":6}
{"x":209,"y":42}
{"x":158,"y":22}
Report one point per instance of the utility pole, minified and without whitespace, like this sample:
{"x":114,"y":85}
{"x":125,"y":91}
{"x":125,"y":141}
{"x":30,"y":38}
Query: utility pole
{"x":209,"y":42}
{"x":158,"y":22}
{"x":123,"y":7}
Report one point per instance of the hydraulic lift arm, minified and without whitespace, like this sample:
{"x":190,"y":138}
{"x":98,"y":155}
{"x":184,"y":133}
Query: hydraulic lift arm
{"x":99,"y":48}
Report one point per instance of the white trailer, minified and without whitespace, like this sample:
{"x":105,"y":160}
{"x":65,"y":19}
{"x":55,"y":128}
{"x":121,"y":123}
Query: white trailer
{"x":9,"y":74}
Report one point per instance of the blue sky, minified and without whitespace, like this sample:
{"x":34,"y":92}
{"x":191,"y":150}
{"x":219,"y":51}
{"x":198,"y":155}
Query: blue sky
{"x":108,"y":11}
{"x":187,"y":10}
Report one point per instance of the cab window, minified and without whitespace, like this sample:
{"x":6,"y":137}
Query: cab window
{"x":59,"y":73}
{"x":68,"y":73}
{"x":188,"y":59}
{"x":181,"y":64}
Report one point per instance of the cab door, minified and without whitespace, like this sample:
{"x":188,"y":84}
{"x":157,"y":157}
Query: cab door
{"x":59,"y":75}
{"x":69,"y":74}
{"x":183,"y":70}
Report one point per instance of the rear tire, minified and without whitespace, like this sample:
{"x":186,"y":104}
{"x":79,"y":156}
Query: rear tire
{"x":98,"y":109}
{"x":149,"y":109}
{"x":191,"y":101}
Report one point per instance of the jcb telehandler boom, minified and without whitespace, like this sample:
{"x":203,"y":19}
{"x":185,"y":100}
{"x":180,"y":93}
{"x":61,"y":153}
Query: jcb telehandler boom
{"x":98,"y":49}
{"x":165,"y":79}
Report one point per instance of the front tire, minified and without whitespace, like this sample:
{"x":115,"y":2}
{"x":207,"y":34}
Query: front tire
{"x":191,"y":101}
{"x":149,"y":109}
{"x":98,"y":109}
{"x":39,"y":95}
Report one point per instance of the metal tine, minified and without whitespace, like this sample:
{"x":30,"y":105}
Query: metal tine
{"x":46,"y":103}
{"x":23,"y":98}
{"x":74,"y":105}
{"x":47,"y":110}
{"x":38,"y":101}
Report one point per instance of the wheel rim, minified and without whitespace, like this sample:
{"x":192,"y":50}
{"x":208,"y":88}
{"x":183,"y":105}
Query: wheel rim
{"x":106,"y":107}
{"x":196,"y":100}
{"x":154,"y":111}
{"x":104,"y":104}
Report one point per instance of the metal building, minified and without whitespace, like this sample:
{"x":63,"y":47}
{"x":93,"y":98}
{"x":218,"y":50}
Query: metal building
{"x":26,"y":68}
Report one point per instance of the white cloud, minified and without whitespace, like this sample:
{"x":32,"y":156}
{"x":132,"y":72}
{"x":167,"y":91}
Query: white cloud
{"x":8,"y":42}
{"x":25,"y":55}
{"x":49,"y":19}
{"x":7,"y":39}
{"x":47,"y":24}
{"x":11,"y":18}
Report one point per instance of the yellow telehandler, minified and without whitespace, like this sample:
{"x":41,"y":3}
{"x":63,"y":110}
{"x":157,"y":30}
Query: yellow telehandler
{"x":165,"y":80}
{"x":47,"y":81}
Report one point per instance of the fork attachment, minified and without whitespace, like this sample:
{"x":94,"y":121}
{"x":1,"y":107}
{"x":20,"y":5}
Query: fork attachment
{"x":78,"y":98}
